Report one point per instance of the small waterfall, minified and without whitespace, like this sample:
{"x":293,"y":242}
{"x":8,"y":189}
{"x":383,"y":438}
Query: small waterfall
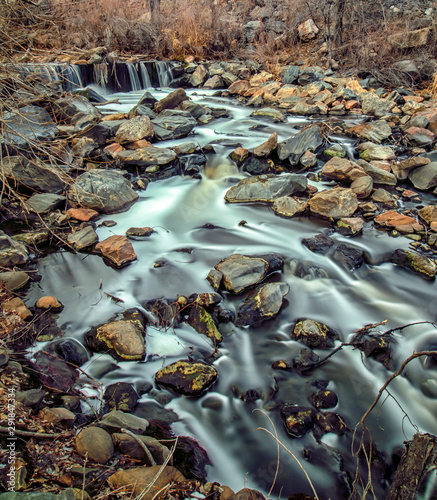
{"x":133,"y":75}
{"x":164,"y":71}
{"x":145,"y":77}
{"x":68,"y":75}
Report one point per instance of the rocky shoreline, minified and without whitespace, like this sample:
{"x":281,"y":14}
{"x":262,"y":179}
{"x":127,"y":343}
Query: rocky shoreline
{"x":65,"y":163}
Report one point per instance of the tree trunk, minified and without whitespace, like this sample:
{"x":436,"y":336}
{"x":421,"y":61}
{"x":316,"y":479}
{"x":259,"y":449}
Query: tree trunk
{"x":338,"y":29}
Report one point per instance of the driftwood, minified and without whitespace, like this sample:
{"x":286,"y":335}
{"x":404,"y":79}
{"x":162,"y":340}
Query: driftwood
{"x":419,"y":460}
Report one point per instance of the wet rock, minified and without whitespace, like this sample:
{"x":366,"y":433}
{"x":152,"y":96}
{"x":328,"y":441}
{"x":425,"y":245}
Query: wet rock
{"x":404,"y":167}
{"x":314,"y":334}
{"x":370,"y":151}
{"x":136,"y":129}
{"x":425,"y":177}
{"x":55,"y":373}
{"x":32,"y":397}
{"x":95,"y":444}
{"x":378,"y":175}
{"x":362,"y":186}
{"x":298,"y":419}
{"x":116,"y":420}
{"x":305,"y":361}
{"x":329,"y":422}
{"x":287,"y":206}
{"x":247,"y":494}
{"x":82,"y":214}
{"x":34,"y":174}
{"x":335,"y":203}
{"x":187,"y":377}
{"x":129,"y":446}
{"x":30,"y":123}
{"x":350,"y":257}
{"x":83,"y":238}
{"x":172,"y":124}
{"x":71,"y":350}
{"x":238,"y":155}
{"x":334,"y":151}
{"x":323,"y":399}
{"x":118,"y":250}
{"x":121,"y":396}
{"x":71,"y":109}
{"x":350,"y":226}
{"x":135,"y":481}
{"x":104,"y":190}
{"x":272,"y":113}
{"x":308,"y":159}
{"x":124,"y":339}
{"x":400,"y":222}
{"x":140,"y":232}
{"x":171,"y":101}
{"x":258,"y":166}
{"x":266,"y":188}
{"x":264,"y":303}
{"x":318,"y":243}
{"x":145,"y":157}
{"x":341,"y":169}
{"x":427,"y":214}
{"x":375,"y":131}
{"x":14,"y":280}
{"x":185,"y":148}
{"x":12,"y":253}
{"x":417,"y":263}
{"x":202,"y":321}
{"x":42,"y":203}
{"x":308,"y":139}
{"x":17,"y":305}
{"x":267,"y":147}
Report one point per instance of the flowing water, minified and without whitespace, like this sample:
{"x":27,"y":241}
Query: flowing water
{"x":225,"y":425}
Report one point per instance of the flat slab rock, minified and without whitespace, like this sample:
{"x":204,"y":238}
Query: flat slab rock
{"x":118,"y":250}
{"x":400,"y":222}
{"x":334,"y":204}
{"x":266,"y":188}
{"x":187,"y":377}
{"x":147,"y":157}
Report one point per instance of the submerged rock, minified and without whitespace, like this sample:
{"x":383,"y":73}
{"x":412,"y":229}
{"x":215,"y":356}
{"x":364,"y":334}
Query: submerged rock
{"x":335,"y":203}
{"x":318,"y":243}
{"x":266,"y":188}
{"x":412,"y":261}
{"x":298,"y":419}
{"x":314,"y":334}
{"x":187,"y":377}
{"x":264,"y":303}
{"x":118,"y":250}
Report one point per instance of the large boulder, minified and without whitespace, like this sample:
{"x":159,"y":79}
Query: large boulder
{"x":372,"y":104}
{"x":425,"y":177}
{"x":72,"y":109}
{"x":135,"y":129}
{"x":266,"y":188}
{"x":334,"y":204}
{"x":187,"y":377}
{"x":106,"y":191}
{"x":124,"y":339}
{"x":12,"y":253}
{"x":415,"y":262}
{"x":171,"y":101}
{"x":146,"y":157}
{"x":172,"y":124}
{"x":308,"y":139}
{"x":264,"y":303}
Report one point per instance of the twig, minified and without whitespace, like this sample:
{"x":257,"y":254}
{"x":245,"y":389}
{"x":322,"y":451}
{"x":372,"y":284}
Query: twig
{"x":143,"y":446}
{"x":41,"y":435}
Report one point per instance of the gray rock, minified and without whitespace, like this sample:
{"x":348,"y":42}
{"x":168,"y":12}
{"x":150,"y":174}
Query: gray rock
{"x":142,"y":111}
{"x":308,"y":139}
{"x":71,"y":109}
{"x":215,"y":82}
{"x":240,"y":272}
{"x":415,"y":262}
{"x":117,"y":420}
{"x":135,"y":129}
{"x":314,"y":334}
{"x":266,"y":188}
{"x":147,"y":156}
{"x":32,"y":397}
{"x":264,"y":303}
{"x":84,"y":238}
{"x":318,"y":243}
{"x":425,"y":177}
{"x":272,"y":113}
{"x":99,"y":132}
{"x":34,"y":174}
{"x":375,"y":131}
{"x":12,"y":253}
{"x":372,"y":104}
{"x":362,"y":186}
{"x":14,"y":280}
{"x":42,"y":203}
{"x":378,"y":175}
{"x":290,"y":75}
{"x":172,"y":124}
{"x":129,"y":446}
{"x":106,"y":191}
{"x":350,"y":257}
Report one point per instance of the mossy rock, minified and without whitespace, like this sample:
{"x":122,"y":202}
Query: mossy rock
{"x":187,"y":377}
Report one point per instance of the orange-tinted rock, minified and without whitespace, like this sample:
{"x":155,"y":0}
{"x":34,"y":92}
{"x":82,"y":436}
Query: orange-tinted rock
{"x":56,"y":415}
{"x":17,"y":305}
{"x":49,"y":302}
{"x":402,"y":223}
{"x":239,"y":155}
{"x":113,"y":149}
{"x":351,"y":104}
{"x":239,"y":87}
{"x":83,"y":214}
{"x":409,"y":193}
{"x":117,"y":249}
{"x":138,"y":144}
{"x":114,"y":116}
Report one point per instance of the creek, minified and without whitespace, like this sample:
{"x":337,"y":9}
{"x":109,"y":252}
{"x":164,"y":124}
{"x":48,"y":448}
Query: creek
{"x":185,"y":249}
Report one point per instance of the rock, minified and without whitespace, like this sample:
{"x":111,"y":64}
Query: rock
{"x":372,"y":104}
{"x":244,"y":494}
{"x":95,"y":444}
{"x":330,"y":422}
{"x":307,"y":31}
{"x":135,"y":481}
{"x":400,"y":222}
{"x":57,"y":415}
{"x":318,"y":243}
{"x":125,"y":339}
{"x":14,"y":280}
{"x":185,"y":148}
{"x":306,"y":109}
{"x":308,"y":159}
{"x":335,"y":203}
{"x":17,"y":305}
{"x":323,"y":399}
{"x":99,"y":132}
{"x":171,"y":101}
{"x":370,"y":151}
{"x":290,"y":75}
{"x":258,"y":166}
{"x":375,"y":131}
{"x":341,"y":169}
{"x":199,"y":76}
{"x":420,"y":136}
{"x":239,"y":87}
{"x":410,"y":39}
{"x":228,"y":78}
{"x":121,"y":396}
{"x":362,"y":186}
{"x":116,"y":420}
{"x":117,"y":249}
{"x":287,"y":206}
{"x":264,"y":303}
{"x":335,"y":150}
{"x":55,"y":373}
{"x":238,"y":155}
{"x":136,"y":129}
{"x":187,"y":377}
{"x":12,"y":253}
{"x":104,"y":190}
{"x":139,"y":232}
{"x":150,"y":156}
{"x":350,"y":257}
{"x":142,"y":111}
{"x":308,"y":139}
{"x":149,"y":101}
{"x":215,"y":82}
{"x":404,"y":167}
{"x":428,"y":214}
{"x":50,"y":303}
{"x":42,"y":203}
{"x":71,"y":109}
{"x":417,"y":263}
{"x":83,"y":238}
{"x":266,"y":188}
{"x":378,"y":175}
{"x":202,"y":321}
{"x":425,"y":177}
{"x":350,"y":226}
{"x":34,"y":174}
{"x":30,"y":123}
{"x":298,"y":419}
{"x":129,"y":446}
{"x":172,"y":124}
{"x":314,"y":334}
{"x":382,"y":196}
{"x":32,"y":397}
{"x":272,"y":113}
{"x":68,"y":349}
{"x":82,"y":214}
